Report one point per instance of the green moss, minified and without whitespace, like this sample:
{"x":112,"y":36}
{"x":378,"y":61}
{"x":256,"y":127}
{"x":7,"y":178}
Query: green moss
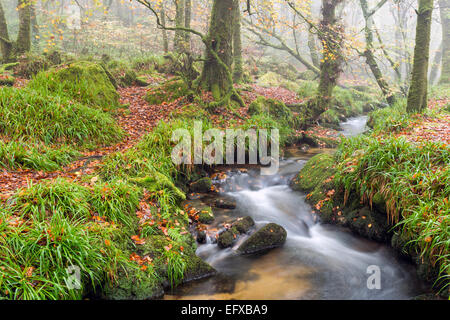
{"x":243,"y":225}
{"x":158,"y":181}
{"x":269,"y":236}
{"x":307,"y":89}
{"x":270,"y":79}
{"x":308,"y":75}
{"x":315,"y":171}
{"x":196,"y":269}
{"x":330,"y":116}
{"x":202,"y":185}
{"x":226,"y":239}
{"x":240,"y":226}
{"x":134,"y":284}
{"x":274,"y":108}
{"x":84,"y":81}
{"x":206,"y":215}
{"x":169,"y":91}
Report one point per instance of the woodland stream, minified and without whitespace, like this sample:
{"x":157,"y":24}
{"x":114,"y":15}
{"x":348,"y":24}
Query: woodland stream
{"x":317,"y":261}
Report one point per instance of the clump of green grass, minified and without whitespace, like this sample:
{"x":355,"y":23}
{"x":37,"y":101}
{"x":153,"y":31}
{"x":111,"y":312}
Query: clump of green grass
{"x":19,"y":154}
{"x":82,"y":81}
{"x":47,"y":228}
{"x":38,"y":116}
{"x":116,"y":200}
{"x":438,"y":92}
{"x":53,"y":199}
{"x":393,"y":118}
{"x":264,"y":121}
{"x":307,"y":89}
{"x":38,"y":258}
{"x":414,"y":182}
{"x":176,"y":266}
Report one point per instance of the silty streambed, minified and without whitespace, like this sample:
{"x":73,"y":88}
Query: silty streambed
{"x":316,"y":262}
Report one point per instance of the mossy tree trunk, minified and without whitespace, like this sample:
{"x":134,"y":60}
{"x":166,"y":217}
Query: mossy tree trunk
{"x":5,"y":42}
{"x":369,"y":53}
{"x":23,"y":43}
{"x":164,"y":31}
{"x":445,"y":20}
{"x":187,"y":23}
{"x":11,"y":49}
{"x":215,"y":73}
{"x":417,"y":95}
{"x":313,"y":50}
{"x":237,"y":44}
{"x":179,"y":44}
{"x":330,"y":34}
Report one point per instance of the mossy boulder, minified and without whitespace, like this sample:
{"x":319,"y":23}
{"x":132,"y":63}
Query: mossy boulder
{"x":270,"y":236}
{"x":205,"y":215}
{"x":196,"y":269}
{"x":330,"y":116}
{"x":369,"y":224}
{"x":202,"y":185}
{"x":158,"y":181}
{"x":225,"y":203}
{"x":307,"y":75}
{"x":270,"y":79}
{"x":225,"y":239}
{"x":83,"y":81}
{"x":169,"y":91}
{"x":130,"y":78}
{"x":134,"y":284}
{"x":240,"y":226}
{"x":243,"y":225}
{"x":314,"y":173}
{"x":277,"y":109}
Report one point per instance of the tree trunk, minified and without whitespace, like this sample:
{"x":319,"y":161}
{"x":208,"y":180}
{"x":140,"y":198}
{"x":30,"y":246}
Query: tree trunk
{"x":179,"y":44}
{"x":215,"y":73}
{"x":330,"y":35}
{"x":23,"y":43}
{"x":445,"y":20}
{"x":313,"y":49}
{"x":187,"y":23}
{"x":34,"y":25}
{"x":312,"y":42}
{"x":164,"y":31}
{"x":417,"y":95}
{"x":370,"y":56}
{"x":237,"y":44}
{"x":5,"y":43}
{"x":435,"y":65}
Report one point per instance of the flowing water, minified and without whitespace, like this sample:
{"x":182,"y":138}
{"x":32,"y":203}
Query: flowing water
{"x":317,"y":261}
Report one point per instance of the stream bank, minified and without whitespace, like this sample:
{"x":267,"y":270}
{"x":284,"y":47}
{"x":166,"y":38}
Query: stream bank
{"x":318,"y":261}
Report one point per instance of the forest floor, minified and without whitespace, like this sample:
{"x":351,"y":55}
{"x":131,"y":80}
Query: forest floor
{"x":136,"y":120}
{"x":425,"y":128}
